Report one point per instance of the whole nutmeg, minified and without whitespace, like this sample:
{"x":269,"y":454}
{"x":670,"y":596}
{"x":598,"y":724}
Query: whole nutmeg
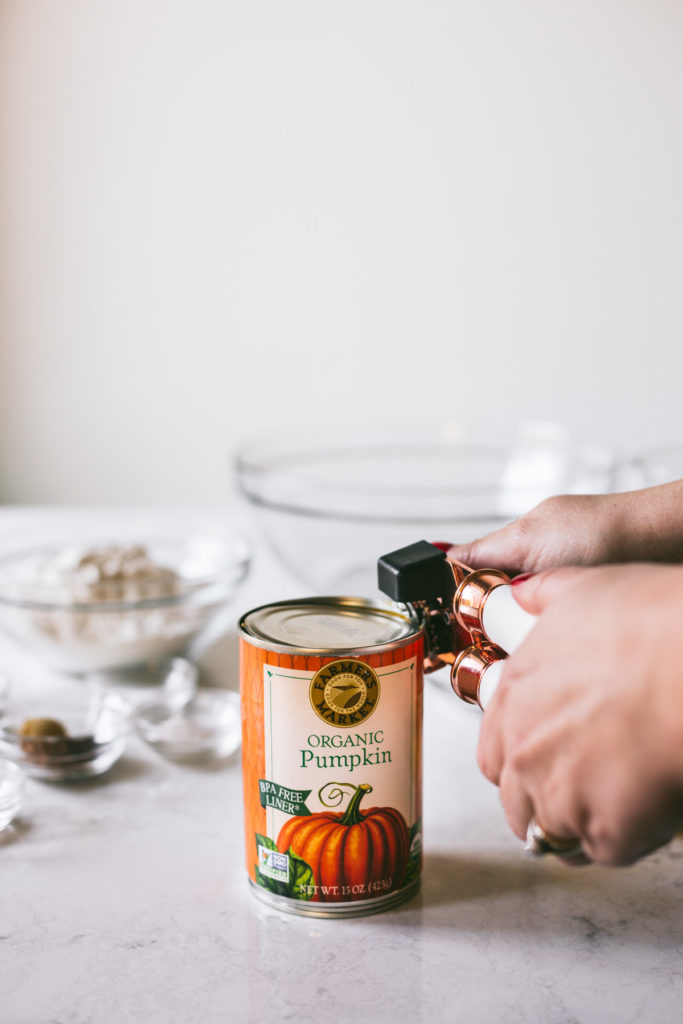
{"x":40,"y":738}
{"x":42,"y":727}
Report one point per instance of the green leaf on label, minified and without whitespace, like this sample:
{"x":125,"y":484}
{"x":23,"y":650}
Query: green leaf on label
{"x":415,"y":853}
{"x":265,"y":841}
{"x":301,"y":881}
{"x":412,"y":871}
{"x":272,"y":884}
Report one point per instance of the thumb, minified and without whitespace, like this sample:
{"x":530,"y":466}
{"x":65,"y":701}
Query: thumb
{"x":501,"y":550}
{"x":535,"y":593}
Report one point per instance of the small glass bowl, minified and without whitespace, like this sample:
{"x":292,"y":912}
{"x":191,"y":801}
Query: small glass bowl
{"x":96,"y":726}
{"x":206,"y":727}
{"x":11,"y":792}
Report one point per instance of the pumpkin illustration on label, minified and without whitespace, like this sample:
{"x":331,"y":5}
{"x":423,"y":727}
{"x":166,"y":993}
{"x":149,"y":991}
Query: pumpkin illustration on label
{"x":354,"y":854}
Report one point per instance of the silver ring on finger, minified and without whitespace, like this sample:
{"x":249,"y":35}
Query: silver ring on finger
{"x":539,"y":843}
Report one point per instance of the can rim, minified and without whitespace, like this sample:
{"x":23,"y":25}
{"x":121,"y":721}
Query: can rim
{"x":328,"y":911}
{"x":413,"y":627}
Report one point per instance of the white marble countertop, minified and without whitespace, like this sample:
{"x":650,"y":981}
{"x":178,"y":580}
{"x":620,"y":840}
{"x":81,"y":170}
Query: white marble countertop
{"x":125,"y":899}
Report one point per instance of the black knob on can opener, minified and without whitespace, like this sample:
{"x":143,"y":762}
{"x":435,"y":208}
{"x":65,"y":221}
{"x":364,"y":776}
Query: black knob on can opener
{"x":418,"y":573}
{"x":421,"y":578}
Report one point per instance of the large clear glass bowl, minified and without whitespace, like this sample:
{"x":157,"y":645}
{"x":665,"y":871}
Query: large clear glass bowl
{"x":329,"y":502}
{"x":107,"y":633}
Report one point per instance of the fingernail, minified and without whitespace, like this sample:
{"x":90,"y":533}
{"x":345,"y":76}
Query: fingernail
{"x":442,"y":546}
{"x":521,"y":579}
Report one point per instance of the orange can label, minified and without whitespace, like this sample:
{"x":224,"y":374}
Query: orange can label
{"x":332,"y":776}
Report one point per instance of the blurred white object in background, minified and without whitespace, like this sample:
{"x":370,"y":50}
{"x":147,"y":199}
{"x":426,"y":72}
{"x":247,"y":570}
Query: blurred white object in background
{"x":11,"y":791}
{"x":658,"y":466}
{"x":544,"y":459}
{"x":329,"y":502}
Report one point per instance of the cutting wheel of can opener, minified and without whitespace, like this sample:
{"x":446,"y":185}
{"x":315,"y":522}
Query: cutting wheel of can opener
{"x":470,"y":618}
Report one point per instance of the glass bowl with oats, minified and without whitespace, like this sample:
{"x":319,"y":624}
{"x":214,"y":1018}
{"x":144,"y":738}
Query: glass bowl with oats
{"x":106,"y":603}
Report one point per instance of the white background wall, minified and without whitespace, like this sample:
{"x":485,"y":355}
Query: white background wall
{"x":219,"y":216}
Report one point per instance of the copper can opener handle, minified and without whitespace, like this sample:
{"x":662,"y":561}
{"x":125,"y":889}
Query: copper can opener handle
{"x":470,"y":617}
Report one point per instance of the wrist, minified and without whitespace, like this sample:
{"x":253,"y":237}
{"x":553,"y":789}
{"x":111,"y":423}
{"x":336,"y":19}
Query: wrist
{"x":648,"y":524}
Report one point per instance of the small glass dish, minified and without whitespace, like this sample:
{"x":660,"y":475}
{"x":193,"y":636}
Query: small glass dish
{"x":65,"y":738}
{"x":205,"y":727}
{"x":11,"y":792}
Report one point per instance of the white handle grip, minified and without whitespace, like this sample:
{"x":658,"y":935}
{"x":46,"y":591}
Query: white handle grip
{"x":488,"y":684}
{"x":504,"y":621}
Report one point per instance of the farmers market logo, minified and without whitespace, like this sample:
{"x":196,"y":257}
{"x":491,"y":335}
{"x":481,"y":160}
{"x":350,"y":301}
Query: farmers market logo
{"x":344,"y":692}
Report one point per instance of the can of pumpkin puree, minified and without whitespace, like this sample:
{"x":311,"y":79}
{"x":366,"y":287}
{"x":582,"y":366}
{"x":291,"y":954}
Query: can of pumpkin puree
{"x":331,"y":694}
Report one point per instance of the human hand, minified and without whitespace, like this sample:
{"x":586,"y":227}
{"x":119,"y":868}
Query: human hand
{"x":585,"y":529}
{"x":585,"y":731}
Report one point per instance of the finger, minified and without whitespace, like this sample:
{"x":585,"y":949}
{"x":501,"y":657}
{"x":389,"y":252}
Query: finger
{"x":495,"y":727}
{"x":534,"y":593}
{"x":620,"y":844}
{"x":561,"y":823}
{"x":516,"y":802}
{"x":502,"y":549}
{"x":490,"y":751}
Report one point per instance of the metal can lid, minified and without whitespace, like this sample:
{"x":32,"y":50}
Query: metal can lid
{"x":324,"y":625}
